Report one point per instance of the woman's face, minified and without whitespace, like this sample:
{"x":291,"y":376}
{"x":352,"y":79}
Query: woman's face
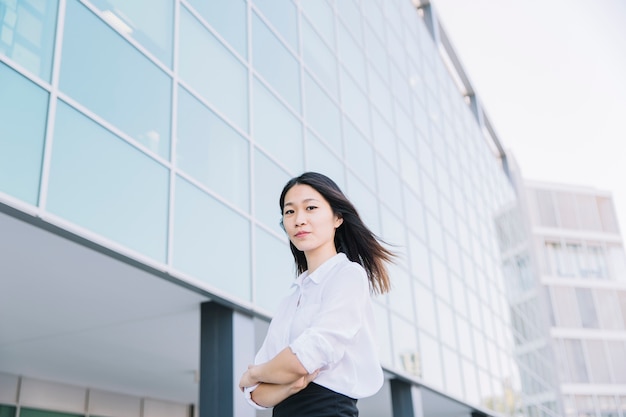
{"x":309,"y":221}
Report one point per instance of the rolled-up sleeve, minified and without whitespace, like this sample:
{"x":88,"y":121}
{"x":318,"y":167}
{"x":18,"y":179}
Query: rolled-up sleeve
{"x":340,"y":318}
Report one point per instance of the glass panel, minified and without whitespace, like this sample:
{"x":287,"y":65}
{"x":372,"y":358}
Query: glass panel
{"x":27,"y":33}
{"x":7,"y":411}
{"x":275,"y":63}
{"x":31,"y":412}
{"x":318,"y":57}
{"x":365,"y":202}
{"x":384,"y":139}
{"x":452,"y":373}
{"x":269,"y":181}
{"x":323,"y":115}
{"x":320,"y":13}
{"x":617,"y":358}
{"x":106,"y":74}
{"x":586,"y":307}
{"x":319,"y":158}
{"x":596,"y":262}
{"x":588,"y":213}
{"x":621,"y":295}
{"x":566,"y":207}
{"x":607,"y":215}
{"x":565,"y":307}
{"x":430,"y":361}
{"x":274,"y":270}
{"x":211,"y":151}
{"x":153,"y":30}
{"x":205,"y":234}
{"x":608,"y":406}
{"x":401,"y":298}
{"x":125,"y":200}
{"x":425,"y":306}
{"x":414,"y":210}
{"x":351,"y":15}
{"x":405,"y":345}
{"x":355,"y":102}
{"x":351,"y":56}
{"x":381,"y":316}
{"x":376,"y":53}
{"x":598,"y":364}
{"x":390,"y":191}
{"x":363,"y":160}
{"x":617,"y":263}
{"x":380,"y":94}
{"x":276,"y":129}
{"x":229,"y":18}
{"x":23,"y":108}
{"x":573,"y":352}
{"x":211,"y":70}
{"x":283,"y":16}
{"x":608,"y":309}
{"x":545,"y":207}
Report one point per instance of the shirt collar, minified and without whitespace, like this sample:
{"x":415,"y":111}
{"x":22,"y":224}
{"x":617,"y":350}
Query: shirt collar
{"x":320,"y":273}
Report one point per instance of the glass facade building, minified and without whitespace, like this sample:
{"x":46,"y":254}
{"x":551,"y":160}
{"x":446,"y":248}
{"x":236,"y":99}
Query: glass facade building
{"x":564,"y":255}
{"x":143,"y":145}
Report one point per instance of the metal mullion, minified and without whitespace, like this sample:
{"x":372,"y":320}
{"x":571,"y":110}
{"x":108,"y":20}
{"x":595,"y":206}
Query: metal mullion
{"x":52,"y":101}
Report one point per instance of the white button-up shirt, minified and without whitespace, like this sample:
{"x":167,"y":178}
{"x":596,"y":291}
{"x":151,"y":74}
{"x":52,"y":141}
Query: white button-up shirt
{"x":329,"y":325}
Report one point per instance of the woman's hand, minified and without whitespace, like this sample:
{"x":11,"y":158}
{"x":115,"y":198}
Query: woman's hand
{"x":247,"y":380}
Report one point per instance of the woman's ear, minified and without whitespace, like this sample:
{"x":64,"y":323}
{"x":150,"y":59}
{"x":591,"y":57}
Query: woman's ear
{"x":338,"y":221}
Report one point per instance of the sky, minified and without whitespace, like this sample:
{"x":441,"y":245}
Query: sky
{"x":551,"y":77}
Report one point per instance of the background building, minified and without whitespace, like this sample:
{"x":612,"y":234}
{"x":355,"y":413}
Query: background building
{"x":143,"y":145}
{"x":564,"y":254}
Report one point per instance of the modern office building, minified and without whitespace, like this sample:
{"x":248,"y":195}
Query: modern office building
{"x":564,"y":254}
{"x":143,"y":146}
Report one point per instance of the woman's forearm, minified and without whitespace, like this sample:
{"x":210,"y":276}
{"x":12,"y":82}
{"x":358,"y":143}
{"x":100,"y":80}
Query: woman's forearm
{"x":268,"y":395}
{"x":284,"y":368}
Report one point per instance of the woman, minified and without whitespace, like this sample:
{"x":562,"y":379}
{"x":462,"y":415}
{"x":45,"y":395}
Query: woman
{"x":324,"y":331}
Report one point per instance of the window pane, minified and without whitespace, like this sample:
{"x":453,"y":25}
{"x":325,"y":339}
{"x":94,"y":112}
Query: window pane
{"x":211,"y":70}
{"x":229,"y":18}
{"x":276,"y":129}
{"x":319,"y":58}
{"x":320,"y":13}
{"x":405,"y":345}
{"x":351,"y":56}
{"x":23,"y":108}
{"x":598,"y":364}
{"x":283,"y":16}
{"x":211,"y":151}
{"x":575,"y":359}
{"x":608,"y":308}
{"x":274,"y":270}
{"x":105,"y":73}
{"x":27,"y":33}
{"x":363,"y":160}
{"x":153,"y":30}
{"x":565,"y":307}
{"x":545,"y":208}
{"x":322,"y":114}
{"x":587,"y":308}
{"x":617,"y":355}
{"x":31,"y":412}
{"x":102,"y":183}
{"x":275,"y":63}
{"x":205,"y":234}
{"x":319,"y":158}
{"x":269,"y":182}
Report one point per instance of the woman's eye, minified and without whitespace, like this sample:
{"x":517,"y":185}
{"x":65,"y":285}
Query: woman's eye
{"x":311,"y":208}
{"x":287,"y":212}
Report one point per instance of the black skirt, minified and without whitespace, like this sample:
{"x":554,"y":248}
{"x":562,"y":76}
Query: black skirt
{"x":316,"y":401}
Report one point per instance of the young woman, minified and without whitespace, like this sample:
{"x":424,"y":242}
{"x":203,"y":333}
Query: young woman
{"x":320,"y":352}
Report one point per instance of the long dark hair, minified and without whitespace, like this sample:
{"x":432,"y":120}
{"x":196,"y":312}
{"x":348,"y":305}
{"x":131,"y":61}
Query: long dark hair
{"x":352,"y":237}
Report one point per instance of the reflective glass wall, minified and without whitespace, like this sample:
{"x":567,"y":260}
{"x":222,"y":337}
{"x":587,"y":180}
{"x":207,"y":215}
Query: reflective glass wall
{"x":165,"y":130}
